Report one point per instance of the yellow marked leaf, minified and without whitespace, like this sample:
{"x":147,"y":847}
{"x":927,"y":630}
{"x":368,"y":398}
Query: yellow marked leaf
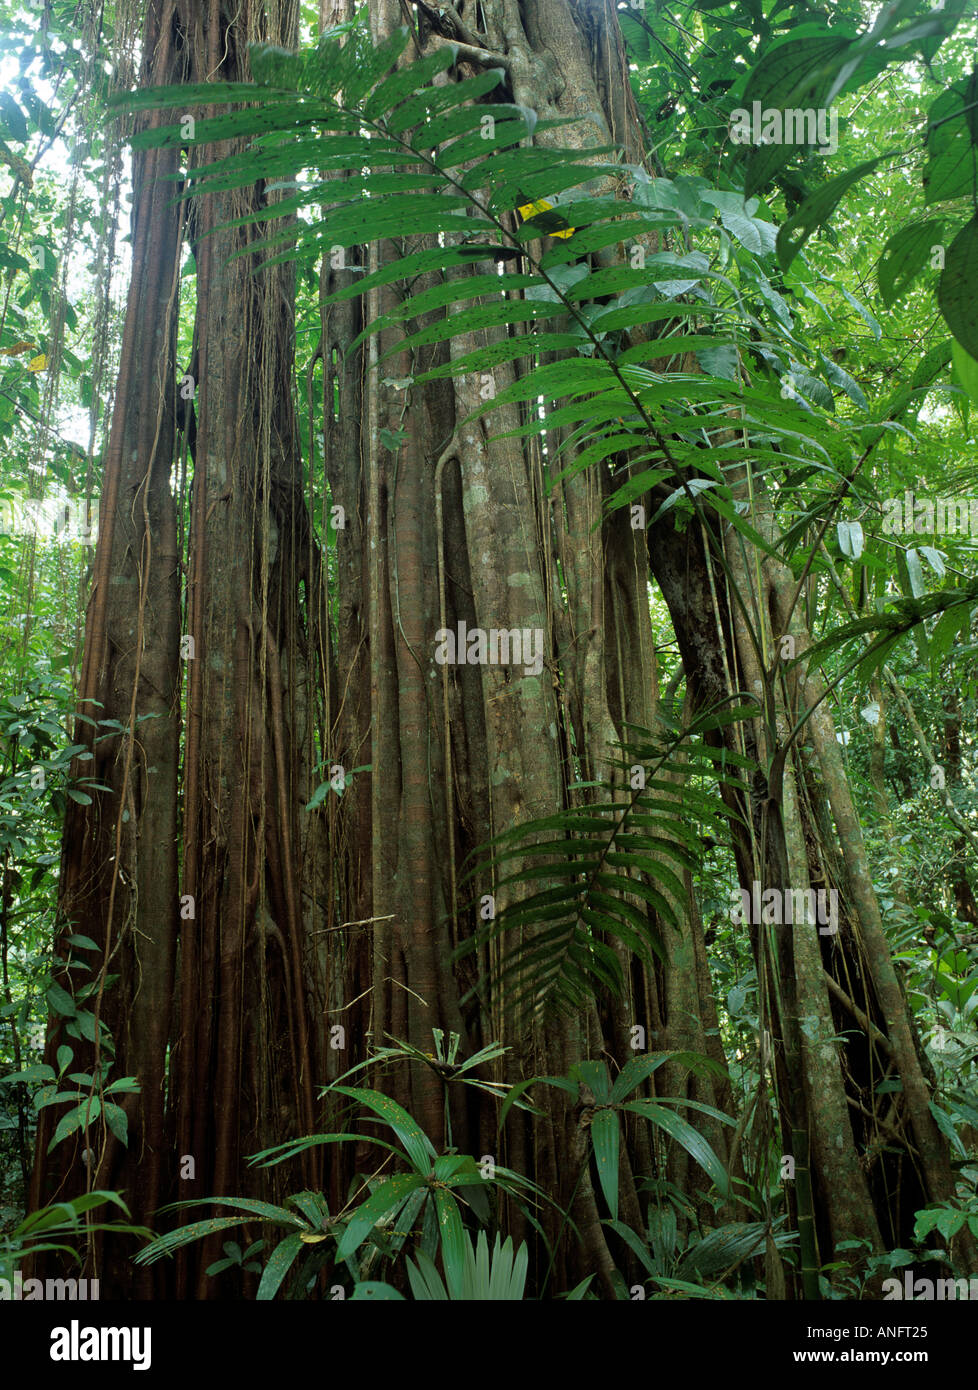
{"x":17,"y":348}
{"x":308,"y":1238}
{"x":529,"y":210}
{"x":37,"y":364}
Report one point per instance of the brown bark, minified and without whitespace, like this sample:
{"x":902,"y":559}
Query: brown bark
{"x":119,"y":868}
{"x":250,"y":1049}
{"x":825,"y":986}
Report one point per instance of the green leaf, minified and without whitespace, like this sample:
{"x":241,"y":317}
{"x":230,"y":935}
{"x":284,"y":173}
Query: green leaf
{"x":966,"y":369}
{"x":375,"y":1291}
{"x":279,"y":1263}
{"x":494,"y":354}
{"x":818,"y":208}
{"x":795,"y":73}
{"x":947,"y":1127}
{"x":416,"y":1143}
{"x":637,"y":1069}
{"x":12,"y":116}
{"x":313,"y":1208}
{"x":851,"y":539}
{"x":266,"y":1210}
{"x":925,"y":1222}
{"x":364,"y":65}
{"x":757,"y":237}
{"x":60,"y":1001}
{"x":915,"y":573}
{"x":186,"y":1235}
{"x":454,"y":1245}
{"x":904,"y":257}
{"x":516,"y":1091}
{"x":952,"y":144}
{"x":565,"y":928}
{"x":685,"y":1135}
{"x":407,"y":80}
{"x":123,"y":1084}
{"x":85,"y":942}
{"x":84,"y":1024}
{"x":193,"y":95}
{"x":40,"y":1071}
{"x":117,"y":1121}
{"x":606,"y":1137}
{"x":723,"y":1248}
{"x":950,"y":1222}
{"x":86,"y":1113}
{"x":594,"y":1075}
{"x":426,"y":1283}
{"x":64,"y":1215}
{"x":318,"y":797}
{"x":425,"y":109}
{"x":634,"y":1242}
{"x":956,"y":289}
{"x":386,"y":1200}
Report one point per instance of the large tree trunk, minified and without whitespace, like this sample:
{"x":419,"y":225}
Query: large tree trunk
{"x":455,"y":502}
{"x":237,"y":1016}
{"x":119,"y":858}
{"x":831,"y":1000}
{"x":247,"y":1056}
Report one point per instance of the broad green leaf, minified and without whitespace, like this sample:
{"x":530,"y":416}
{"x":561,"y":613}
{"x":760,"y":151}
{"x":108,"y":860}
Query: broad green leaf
{"x":637,"y":1069}
{"x":606,"y":1138}
{"x":426,"y":1283}
{"x":385,"y":1201}
{"x":635,"y":1243}
{"x":851,"y":539}
{"x":423,"y":110}
{"x":966,"y":369}
{"x":904,"y":256}
{"x":41,"y":1071}
{"x":454,"y":1245}
{"x":279,"y":1263}
{"x":388,"y":95}
{"x":416,"y":1143}
{"x":12,"y":117}
{"x":186,"y":1235}
{"x":84,"y":1114}
{"x":61,"y":1001}
{"x":375,"y":1291}
{"x":117,"y":1121}
{"x":818,"y":208}
{"x":795,"y":74}
{"x":952,"y":144}
{"x":956,"y":290}
{"x":686,"y":1136}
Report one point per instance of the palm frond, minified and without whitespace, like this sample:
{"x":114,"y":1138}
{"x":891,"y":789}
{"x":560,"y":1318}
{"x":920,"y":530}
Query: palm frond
{"x":604,"y":873}
{"x":357,"y":151}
